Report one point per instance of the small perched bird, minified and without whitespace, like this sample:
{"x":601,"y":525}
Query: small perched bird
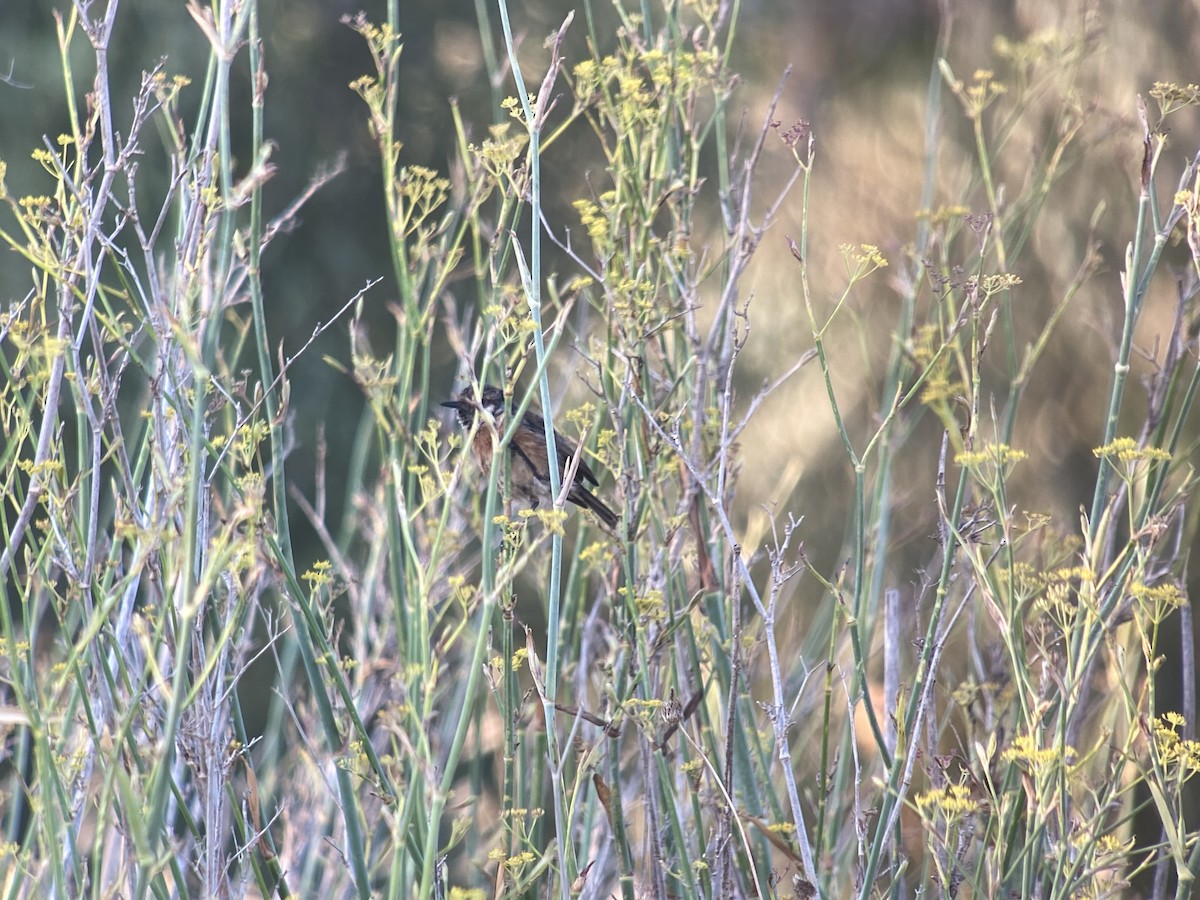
{"x":529,"y":475}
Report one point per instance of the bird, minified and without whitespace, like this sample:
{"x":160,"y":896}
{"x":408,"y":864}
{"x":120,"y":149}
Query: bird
{"x":529,"y":475}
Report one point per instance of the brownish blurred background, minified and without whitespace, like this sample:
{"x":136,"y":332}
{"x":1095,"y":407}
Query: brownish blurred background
{"x":860,"y":75}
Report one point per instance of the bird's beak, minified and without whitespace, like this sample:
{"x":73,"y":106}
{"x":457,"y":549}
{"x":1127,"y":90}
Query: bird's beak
{"x":458,"y":405}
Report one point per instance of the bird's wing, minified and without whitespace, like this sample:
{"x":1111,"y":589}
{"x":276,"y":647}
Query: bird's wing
{"x":566,"y":448}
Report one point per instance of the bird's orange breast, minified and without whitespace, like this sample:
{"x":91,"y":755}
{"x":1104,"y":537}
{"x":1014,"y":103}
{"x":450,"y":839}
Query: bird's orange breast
{"x":482,"y":448}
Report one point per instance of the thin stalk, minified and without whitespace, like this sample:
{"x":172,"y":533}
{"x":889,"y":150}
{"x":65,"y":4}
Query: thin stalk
{"x":568,"y":868}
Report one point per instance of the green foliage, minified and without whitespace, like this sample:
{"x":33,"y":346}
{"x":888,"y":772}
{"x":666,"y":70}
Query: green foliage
{"x":464,"y":698}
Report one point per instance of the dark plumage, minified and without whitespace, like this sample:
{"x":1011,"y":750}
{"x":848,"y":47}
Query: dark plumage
{"x":529,"y":476}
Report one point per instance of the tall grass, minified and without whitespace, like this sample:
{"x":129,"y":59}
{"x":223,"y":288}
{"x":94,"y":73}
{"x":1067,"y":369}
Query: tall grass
{"x":464,"y":698}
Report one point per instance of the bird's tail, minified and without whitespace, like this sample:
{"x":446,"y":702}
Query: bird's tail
{"x":581,"y":496}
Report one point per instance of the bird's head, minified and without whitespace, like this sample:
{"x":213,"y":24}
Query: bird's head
{"x":465,"y":405}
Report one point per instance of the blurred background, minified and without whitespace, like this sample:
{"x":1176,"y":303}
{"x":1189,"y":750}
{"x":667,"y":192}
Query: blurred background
{"x":860,"y":72}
